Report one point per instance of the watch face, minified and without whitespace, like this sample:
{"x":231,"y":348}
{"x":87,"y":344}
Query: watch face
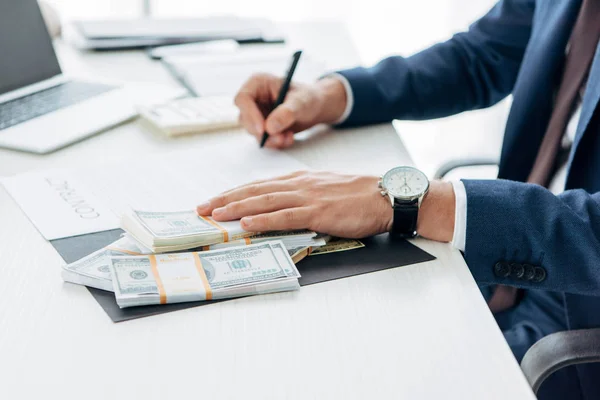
{"x":405,"y":182}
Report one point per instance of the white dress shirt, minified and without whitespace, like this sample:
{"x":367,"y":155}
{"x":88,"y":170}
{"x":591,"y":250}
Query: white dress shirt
{"x":460,"y":214}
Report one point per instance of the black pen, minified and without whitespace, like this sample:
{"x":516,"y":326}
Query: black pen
{"x":284,"y":89}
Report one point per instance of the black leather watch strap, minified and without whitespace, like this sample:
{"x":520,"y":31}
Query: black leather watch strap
{"x":405,"y":219}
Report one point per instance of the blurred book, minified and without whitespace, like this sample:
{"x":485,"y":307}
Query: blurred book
{"x":148,"y":32}
{"x":224,"y":74}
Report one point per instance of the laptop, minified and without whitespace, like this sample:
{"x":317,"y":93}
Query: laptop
{"x":41,"y":109}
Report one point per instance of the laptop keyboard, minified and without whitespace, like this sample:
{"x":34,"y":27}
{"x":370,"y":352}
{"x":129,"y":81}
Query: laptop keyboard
{"x":37,"y":104}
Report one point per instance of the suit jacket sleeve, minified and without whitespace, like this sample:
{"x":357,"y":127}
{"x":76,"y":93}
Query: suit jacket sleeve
{"x":474,"y":69}
{"x":525,"y":224}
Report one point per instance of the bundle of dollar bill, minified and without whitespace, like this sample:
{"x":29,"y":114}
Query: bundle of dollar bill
{"x":298,"y":243}
{"x":93,"y":270}
{"x":292,"y":239}
{"x":336,"y":244}
{"x":164,"y":232}
{"x":197,"y":276}
{"x":297,"y":254}
{"x":178,"y":230}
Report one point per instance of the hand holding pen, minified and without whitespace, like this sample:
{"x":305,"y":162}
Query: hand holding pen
{"x":284,"y":89}
{"x":304,"y":106}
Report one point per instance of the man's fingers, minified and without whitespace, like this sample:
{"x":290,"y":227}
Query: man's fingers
{"x":242,"y":193}
{"x":252,"y":120}
{"x":282,"y":118}
{"x":255,"y":94}
{"x":280,"y":140}
{"x":286,"y":219}
{"x":257,"y":205}
{"x":281,"y":183}
{"x":250,"y":115}
{"x":296,"y":107}
{"x":276,"y":141}
{"x":288,"y":139}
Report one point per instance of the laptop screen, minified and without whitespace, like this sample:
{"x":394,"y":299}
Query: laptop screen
{"x":26,"y":52}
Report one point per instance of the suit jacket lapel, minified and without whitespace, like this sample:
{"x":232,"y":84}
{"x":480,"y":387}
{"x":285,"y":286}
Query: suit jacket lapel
{"x":590,"y":103}
{"x":533,"y":92}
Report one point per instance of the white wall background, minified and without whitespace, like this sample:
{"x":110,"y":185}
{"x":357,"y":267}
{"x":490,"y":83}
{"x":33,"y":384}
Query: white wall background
{"x":378,"y":28}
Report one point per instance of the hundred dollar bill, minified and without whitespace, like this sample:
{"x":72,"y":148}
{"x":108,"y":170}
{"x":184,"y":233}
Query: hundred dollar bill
{"x":93,"y":270}
{"x":128,"y":245}
{"x":297,"y":243}
{"x":288,"y":243}
{"x":295,"y":238}
{"x":179,"y":230}
{"x":280,"y":247}
{"x":285,"y":259}
{"x":337,"y":244}
{"x":174,"y":224}
{"x":299,"y":253}
{"x":197,"y":276}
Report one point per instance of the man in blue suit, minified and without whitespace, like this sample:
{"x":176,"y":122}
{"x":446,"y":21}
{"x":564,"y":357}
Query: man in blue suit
{"x":537,"y":227}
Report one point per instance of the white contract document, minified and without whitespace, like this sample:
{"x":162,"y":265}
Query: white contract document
{"x":67,"y":202}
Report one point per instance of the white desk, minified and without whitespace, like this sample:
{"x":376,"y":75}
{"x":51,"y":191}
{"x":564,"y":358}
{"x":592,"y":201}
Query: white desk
{"x":417,"y":332}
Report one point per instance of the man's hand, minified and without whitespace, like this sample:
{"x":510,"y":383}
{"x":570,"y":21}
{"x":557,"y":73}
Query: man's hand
{"x":304,"y":107}
{"x":340,"y":205}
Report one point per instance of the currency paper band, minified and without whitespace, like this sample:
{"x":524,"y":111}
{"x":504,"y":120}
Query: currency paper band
{"x":159,"y":283}
{"x":219,"y":227}
{"x":202,"y":273}
{"x":161,"y":287}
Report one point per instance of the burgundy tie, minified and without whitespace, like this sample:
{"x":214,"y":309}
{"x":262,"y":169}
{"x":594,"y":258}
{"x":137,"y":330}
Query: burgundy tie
{"x":582,"y":47}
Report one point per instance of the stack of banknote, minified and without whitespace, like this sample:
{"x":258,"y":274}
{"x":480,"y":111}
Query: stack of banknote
{"x":178,"y":230}
{"x":208,"y":275}
{"x":335,"y":245}
{"x":140,"y":278}
{"x":263,"y":263}
{"x":94,"y":269}
{"x":298,"y":244}
{"x":164,"y":232}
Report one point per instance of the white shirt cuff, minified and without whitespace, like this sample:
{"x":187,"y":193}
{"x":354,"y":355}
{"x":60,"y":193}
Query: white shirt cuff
{"x":460,"y":216}
{"x":349,"y":97}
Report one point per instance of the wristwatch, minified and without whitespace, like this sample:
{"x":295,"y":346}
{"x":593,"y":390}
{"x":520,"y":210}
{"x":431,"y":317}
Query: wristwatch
{"x":406,"y":187}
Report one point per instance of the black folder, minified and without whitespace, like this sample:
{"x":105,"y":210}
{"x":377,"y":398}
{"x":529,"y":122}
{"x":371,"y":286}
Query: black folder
{"x":380,"y":252}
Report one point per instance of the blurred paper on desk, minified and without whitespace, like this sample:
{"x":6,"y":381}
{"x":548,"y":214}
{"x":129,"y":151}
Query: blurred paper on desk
{"x":224,"y":74}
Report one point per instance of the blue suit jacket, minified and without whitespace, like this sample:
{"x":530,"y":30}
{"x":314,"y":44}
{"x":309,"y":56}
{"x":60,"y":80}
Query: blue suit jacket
{"x":518,"y":48}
